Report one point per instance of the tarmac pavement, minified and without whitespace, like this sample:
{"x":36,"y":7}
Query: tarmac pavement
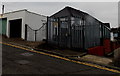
{"x":20,"y":61}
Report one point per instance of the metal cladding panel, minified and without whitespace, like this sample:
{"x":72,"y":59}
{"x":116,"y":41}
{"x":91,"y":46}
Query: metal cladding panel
{"x":3,"y":24}
{"x":68,"y":11}
{"x":92,"y":36}
{"x":61,"y":13}
{"x":52,"y":30}
{"x":64,"y":33}
{"x":77,"y":32}
{"x":106,"y":32}
{"x":49,"y":30}
{"x":77,"y":35}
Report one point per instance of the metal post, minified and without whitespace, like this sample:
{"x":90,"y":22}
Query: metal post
{"x":69,"y":24}
{"x":58,"y":31}
{"x":47,"y":30}
{"x":83,"y":33}
{"x":35,"y":34}
{"x":25,"y":31}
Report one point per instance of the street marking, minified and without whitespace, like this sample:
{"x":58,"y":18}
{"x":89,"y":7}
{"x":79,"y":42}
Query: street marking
{"x":59,"y":57}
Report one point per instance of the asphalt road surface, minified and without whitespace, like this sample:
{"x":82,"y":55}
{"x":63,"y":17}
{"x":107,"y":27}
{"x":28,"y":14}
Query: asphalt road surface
{"x":19,"y":61}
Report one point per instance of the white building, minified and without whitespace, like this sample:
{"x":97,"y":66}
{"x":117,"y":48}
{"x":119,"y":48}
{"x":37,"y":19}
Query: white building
{"x":19,"y":22}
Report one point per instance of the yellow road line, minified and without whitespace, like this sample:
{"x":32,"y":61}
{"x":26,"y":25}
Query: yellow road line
{"x":59,"y":57}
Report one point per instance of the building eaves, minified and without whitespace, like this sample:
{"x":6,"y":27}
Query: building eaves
{"x":15,"y":11}
{"x":24,"y":10}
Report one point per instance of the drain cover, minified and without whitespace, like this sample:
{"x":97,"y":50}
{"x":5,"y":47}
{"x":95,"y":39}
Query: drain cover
{"x":27,"y":54}
{"x":23,"y":62}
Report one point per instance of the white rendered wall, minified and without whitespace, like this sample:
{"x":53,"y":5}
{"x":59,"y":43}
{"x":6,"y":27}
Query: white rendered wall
{"x":13,"y":16}
{"x":35,"y":21}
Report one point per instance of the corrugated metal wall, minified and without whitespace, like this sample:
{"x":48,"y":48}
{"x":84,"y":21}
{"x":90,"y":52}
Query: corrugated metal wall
{"x":106,"y":32}
{"x":92,"y":35}
{"x":79,"y":33}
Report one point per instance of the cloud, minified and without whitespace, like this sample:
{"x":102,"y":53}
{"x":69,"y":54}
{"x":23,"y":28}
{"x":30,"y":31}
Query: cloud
{"x":103,"y":11}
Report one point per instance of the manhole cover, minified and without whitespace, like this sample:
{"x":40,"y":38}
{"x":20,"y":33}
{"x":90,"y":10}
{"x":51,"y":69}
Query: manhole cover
{"x":23,"y":62}
{"x":27,"y":54}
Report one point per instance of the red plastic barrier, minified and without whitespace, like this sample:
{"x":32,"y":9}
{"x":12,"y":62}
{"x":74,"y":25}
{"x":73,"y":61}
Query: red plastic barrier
{"x":98,"y":50}
{"x":107,"y":46}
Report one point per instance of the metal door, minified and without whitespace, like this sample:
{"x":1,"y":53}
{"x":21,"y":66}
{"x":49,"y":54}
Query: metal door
{"x":64,"y":34}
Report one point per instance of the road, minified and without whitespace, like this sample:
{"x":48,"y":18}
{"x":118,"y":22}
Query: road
{"x":19,"y":61}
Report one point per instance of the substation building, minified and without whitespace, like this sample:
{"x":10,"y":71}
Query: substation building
{"x":72,"y":28}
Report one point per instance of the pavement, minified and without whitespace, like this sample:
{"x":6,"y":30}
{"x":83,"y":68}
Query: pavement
{"x":18,"y":60}
{"x":40,"y":45}
{"x":96,"y":59}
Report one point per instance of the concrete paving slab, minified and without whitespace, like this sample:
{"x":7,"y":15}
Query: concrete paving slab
{"x":96,"y":59}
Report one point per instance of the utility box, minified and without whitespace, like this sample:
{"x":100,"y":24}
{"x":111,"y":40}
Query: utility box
{"x":117,"y":57}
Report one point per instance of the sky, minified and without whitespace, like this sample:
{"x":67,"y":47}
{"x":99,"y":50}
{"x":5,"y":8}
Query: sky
{"x":107,"y":12}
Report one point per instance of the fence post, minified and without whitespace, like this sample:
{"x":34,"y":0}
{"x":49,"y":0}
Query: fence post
{"x":83,"y":33}
{"x":47,"y":29}
{"x":35,"y":35}
{"x":26,"y":31}
{"x":58,"y":31}
{"x":70,"y":29}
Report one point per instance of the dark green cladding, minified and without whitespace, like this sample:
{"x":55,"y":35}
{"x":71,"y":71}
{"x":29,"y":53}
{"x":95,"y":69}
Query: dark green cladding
{"x":3,"y":23}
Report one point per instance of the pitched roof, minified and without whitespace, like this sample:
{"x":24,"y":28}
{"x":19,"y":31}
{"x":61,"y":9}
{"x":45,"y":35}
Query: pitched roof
{"x":68,"y":11}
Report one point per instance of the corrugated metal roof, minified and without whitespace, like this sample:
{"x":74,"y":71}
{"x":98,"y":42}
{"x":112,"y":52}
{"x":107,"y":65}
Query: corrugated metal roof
{"x":69,"y":11}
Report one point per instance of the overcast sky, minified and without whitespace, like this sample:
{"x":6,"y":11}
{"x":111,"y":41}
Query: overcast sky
{"x":106,"y":12}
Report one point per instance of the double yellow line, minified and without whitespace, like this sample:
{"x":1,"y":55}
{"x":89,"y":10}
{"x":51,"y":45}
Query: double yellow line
{"x":59,"y":57}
